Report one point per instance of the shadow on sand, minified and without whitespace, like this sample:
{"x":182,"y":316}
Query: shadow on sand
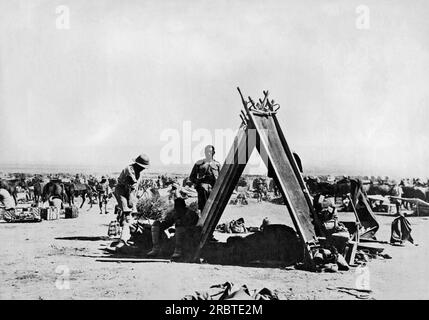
{"x":84,"y":238}
{"x":276,"y":247}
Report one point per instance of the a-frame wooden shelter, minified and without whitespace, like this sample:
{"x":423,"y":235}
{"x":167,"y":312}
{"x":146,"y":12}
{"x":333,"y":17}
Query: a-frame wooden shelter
{"x":260,"y":129}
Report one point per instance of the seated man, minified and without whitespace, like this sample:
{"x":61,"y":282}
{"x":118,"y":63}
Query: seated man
{"x":335,"y":232}
{"x":183,"y":218}
{"x":7,"y":205}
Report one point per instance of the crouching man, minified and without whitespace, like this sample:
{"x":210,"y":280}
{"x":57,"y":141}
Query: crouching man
{"x":125,"y":194}
{"x":184,"y":220}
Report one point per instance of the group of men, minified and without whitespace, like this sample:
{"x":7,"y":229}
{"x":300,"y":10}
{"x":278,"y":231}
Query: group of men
{"x":203,"y":175}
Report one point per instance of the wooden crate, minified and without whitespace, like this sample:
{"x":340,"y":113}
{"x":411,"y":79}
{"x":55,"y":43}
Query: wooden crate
{"x":49,"y":213}
{"x":71,"y":212}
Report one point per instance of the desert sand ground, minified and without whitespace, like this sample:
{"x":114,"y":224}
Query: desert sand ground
{"x":32,"y":254}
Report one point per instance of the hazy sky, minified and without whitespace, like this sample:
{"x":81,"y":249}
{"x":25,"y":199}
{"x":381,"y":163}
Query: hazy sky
{"x":104,"y":90}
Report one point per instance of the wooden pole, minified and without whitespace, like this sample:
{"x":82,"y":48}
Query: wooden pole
{"x":354,"y":210}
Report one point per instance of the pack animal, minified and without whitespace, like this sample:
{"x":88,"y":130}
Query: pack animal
{"x":84,"y":191}
{"x":54,"y":189}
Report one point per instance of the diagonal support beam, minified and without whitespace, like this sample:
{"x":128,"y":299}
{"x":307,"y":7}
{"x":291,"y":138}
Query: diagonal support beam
{"x":228,"y":178}
{"x":272,"y":148}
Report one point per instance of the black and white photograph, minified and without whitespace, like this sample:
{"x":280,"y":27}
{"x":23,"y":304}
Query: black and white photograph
{"x":190,"y":150}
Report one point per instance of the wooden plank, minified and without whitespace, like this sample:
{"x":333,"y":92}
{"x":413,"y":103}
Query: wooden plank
{"x":293,"y":163}
{"x":229,"y":175}
{"x":412,"y":200}
{"x":316,"y":222}
{"x":358,"y":224}
{"x":365,"y":215}
{"x":351,"y":252}
{"x":289,"y":184}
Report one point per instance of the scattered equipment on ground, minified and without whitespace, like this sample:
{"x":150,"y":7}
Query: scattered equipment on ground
{"x":50,"y":213}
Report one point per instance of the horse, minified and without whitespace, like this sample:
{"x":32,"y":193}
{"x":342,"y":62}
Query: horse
{"x":69,"y":191}
{"x":383,"y":190}
{"x":84,"y":190}
{"x":36,"y":186}
{"x":315,"y":186}
{"x":54,"y":188}
{"x":421,"y":193}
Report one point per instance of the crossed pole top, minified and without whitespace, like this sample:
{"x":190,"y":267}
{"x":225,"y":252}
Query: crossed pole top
{"x":262,"y":106}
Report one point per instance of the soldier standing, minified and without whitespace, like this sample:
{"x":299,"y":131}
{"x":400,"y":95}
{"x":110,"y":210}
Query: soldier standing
{"x":103,"y":192}
{"x":204,"y":175}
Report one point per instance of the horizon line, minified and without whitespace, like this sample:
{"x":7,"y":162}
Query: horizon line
{"x":172,"y":169}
